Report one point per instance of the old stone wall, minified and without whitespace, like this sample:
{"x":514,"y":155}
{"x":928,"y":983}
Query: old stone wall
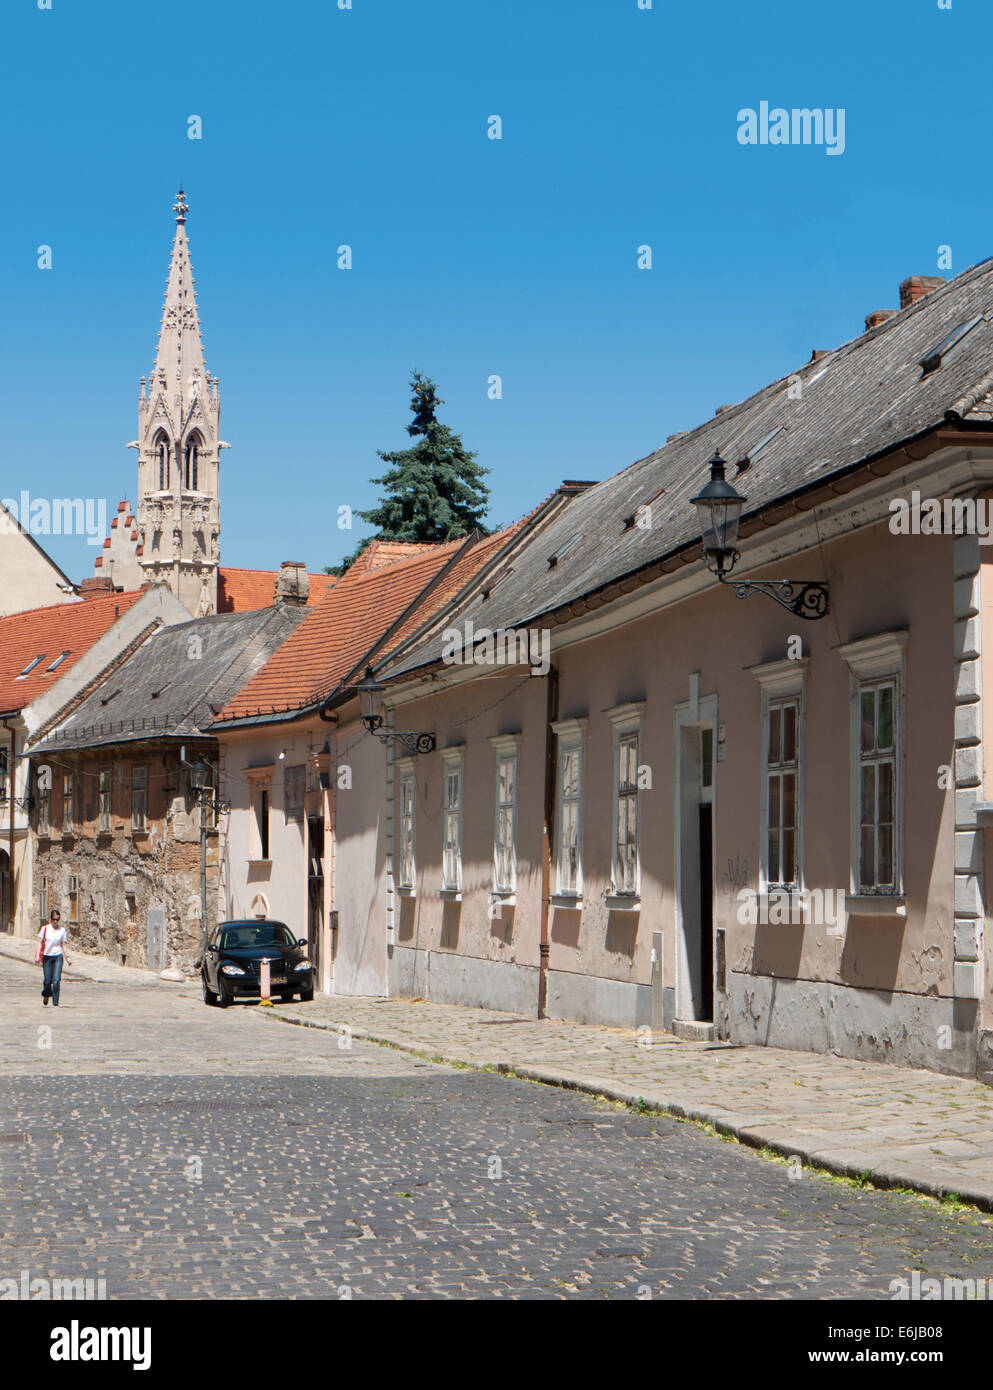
{"x":130,"y":893}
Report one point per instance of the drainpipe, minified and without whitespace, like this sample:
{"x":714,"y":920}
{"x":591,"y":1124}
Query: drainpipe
{"x":551,"y":714}
{"x":11,"y":790}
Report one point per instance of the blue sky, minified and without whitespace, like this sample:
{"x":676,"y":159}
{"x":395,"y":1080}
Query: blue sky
{"x":472,"y":256}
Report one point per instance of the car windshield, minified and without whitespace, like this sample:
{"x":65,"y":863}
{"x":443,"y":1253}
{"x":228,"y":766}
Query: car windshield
{"x":258,"y":934}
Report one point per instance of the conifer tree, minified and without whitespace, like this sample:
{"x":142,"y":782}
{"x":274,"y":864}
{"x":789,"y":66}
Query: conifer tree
{"x":433,"y":491}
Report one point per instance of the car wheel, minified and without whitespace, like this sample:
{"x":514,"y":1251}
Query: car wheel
{"x":224,"y":994}
{"x":307,"y":995}
{"x":209,"y":997}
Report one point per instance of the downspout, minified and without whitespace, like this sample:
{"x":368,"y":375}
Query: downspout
{"x":11,"y":791}
{"x":551,"y":715}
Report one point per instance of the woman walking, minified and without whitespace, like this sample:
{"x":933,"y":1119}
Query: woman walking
{"x":51,"y":941}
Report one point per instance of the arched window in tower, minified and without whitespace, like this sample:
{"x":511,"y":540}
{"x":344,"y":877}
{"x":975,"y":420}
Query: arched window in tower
{"x":193,"y":447}
{"x":162,"y":461}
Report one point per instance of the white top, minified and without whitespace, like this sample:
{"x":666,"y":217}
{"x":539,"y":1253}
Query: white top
{"x":54,"y":937}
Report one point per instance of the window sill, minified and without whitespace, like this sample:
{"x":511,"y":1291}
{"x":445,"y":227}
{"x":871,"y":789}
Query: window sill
{"x":406,"y":890}
{"x":140,"y":834}
{"x":876,"y":905}
{"x":623,"y":902}
{"x":507,"y":896}
{"x":567,"y":900}
{"x":451,"y":895}
{"x":260,"y":863}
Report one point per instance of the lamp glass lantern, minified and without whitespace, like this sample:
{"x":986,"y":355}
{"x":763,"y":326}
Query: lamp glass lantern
{"x":370,"y":693}
{"x":719,"y":509}
{"x":200,"y":777}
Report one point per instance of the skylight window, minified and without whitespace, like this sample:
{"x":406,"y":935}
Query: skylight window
{"x":107,"y":698}
{"x":57,"y":662}
{"x":937,"y":358}
{"x":564,"y":550}
{"x":763,"y":443}
{"x":30,"y":666}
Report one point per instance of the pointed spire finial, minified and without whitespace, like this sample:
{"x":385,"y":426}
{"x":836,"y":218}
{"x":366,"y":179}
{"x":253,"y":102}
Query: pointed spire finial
{"x":180,"y":207}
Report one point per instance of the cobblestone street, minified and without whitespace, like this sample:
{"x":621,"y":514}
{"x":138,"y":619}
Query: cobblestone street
{"x":179,"y":1151}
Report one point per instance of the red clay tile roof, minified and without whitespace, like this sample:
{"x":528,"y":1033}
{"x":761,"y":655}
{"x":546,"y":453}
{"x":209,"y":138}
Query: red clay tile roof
{"x":379,"y":553}
{"x":48,"y":632}
{"x":337,"y":634}
{"x":242,"y":591}
{"x":360,"y":609}
{"x":458,"y":576}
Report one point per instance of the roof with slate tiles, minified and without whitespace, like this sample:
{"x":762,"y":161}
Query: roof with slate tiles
{"x":856,"y":403}
{"x":170,"y":687}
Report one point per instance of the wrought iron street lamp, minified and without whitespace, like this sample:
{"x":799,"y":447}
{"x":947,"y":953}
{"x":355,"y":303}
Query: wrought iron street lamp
{"x":371,"y":702}
{"x":719,"y":507}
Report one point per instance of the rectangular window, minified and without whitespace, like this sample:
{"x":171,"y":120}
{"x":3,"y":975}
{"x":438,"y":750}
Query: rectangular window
{"x":103,"y":804}
{"x":406,"y":863}
{"x":782,"y":802}
{"x":294,"y":784}
{"x":139,"y":797}
{"x":44,"y":899}
{"x":505,"y":835}
{"x":44,"y":810}
{"x":626,"y":816}
{"x":452,"y":824}
{"x":784,"y":685}
{"x":877,"y":787}
{"x":569,"y":791}
{"x":69,"y":804}
{"x":878,"y":667}
{"x":74,"y":900}
{"x":3,"y":774}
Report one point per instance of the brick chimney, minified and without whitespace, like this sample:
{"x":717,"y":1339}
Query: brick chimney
{"x":292,"y":583}
{"x":877,"y":317}
{"x":915,"y":287}
{"x":96,"y":584}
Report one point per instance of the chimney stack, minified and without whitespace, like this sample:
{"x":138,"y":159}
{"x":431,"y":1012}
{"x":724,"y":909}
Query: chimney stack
{"x":877,"y":317}
{"x":292,"y":583}
{"x":96,"y":584}
{"x":915,"y":287}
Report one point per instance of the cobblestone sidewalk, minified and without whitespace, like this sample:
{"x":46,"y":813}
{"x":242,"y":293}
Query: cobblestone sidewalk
{"x":907,"y":1128}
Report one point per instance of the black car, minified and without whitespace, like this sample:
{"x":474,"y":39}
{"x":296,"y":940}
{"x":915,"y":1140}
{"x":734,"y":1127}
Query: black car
{"x":232,"y":963}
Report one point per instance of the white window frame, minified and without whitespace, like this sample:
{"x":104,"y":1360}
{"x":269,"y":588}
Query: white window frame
{"x":782,"y":682}
{"x":874,"y":661}
{"x":507,"y":748}
{"x":570,"y":735}
{"x":105,"y":800}
{"x":453,"y":760}
{"x":627,"y":722}
{"x":406,"y":782}
{"x":260,"y":780}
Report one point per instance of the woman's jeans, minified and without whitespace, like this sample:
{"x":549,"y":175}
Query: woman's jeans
{"x":52,"y":977}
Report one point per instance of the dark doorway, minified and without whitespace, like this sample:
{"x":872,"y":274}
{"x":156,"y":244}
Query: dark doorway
{"x":315,"y":892}
{"x":4,"y":891}
{"x":706,"y":910}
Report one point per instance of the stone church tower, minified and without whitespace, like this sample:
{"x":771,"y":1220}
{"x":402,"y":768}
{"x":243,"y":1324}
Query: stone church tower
{"x":177,"y":525}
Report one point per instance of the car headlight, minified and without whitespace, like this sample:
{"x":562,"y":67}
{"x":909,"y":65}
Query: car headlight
{"x":302,"y":965}
{"x":232,"y":970}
